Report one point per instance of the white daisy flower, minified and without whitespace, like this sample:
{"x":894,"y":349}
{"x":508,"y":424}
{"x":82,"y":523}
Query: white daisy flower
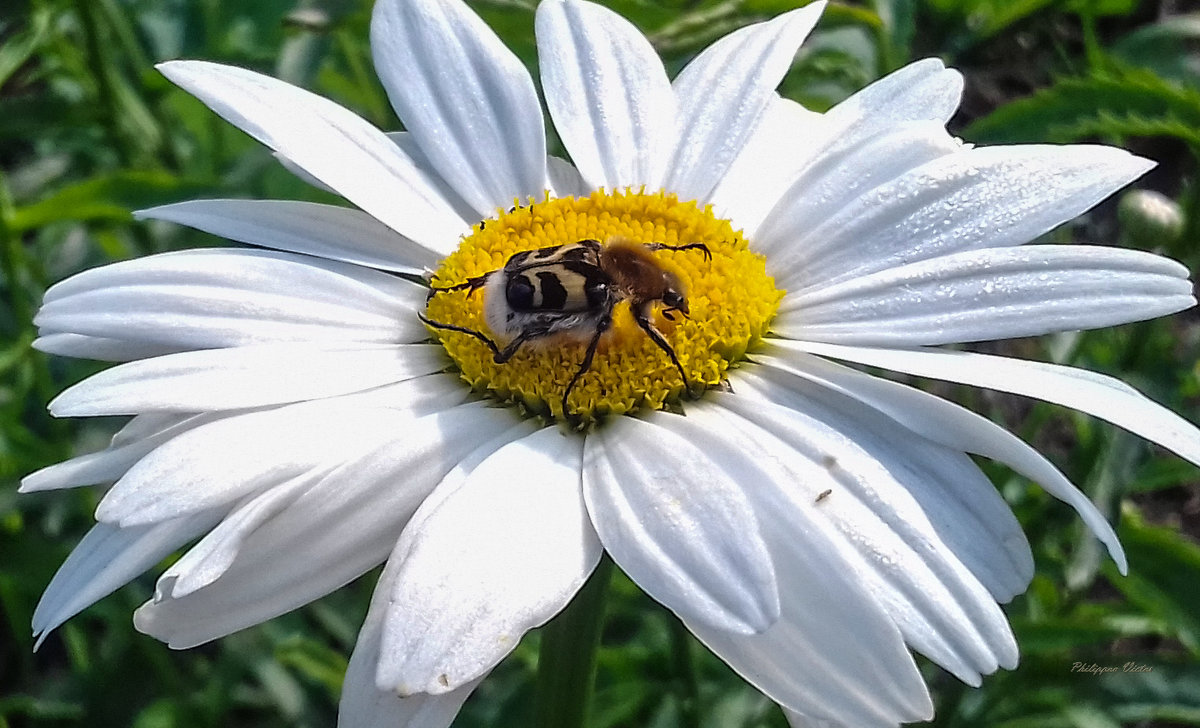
{"x":810,"y":523}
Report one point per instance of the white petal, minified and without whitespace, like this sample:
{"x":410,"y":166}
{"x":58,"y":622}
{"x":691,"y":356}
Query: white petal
{"x":364,"y":705}
{"x":213,"y":298}
{"x":518,"y":543}
{"x":213,"y":265}
{"x":1096,"y":394}
{"x":334,"y":532}
{"x":221,"y":461}
{"x":608,"y":94}
{"x":144,"y":433}
{"x":978,"y":524}
{"x":988,"y":197}
{"x":786,"y":140}
{"x":243,"y":377}
{"x":679,"y":525}
{"x":454,"y":478}
{"x":143,"y":426}
{"x":419,"y":395}
{"x":996,"y":293}
{"x":826,"y":661}
{"x":464,"y":97}
{"x":724,"y":93}
{"x":111,"y":463}
{"x":99,"y":348}
{"x":335,"y":233}
{"x":797,"y":719}
{"x":924,"y":90}
{"x":565,"y":180}
{"x":836,"y":179}
{"x":205,"y":562}
{"x":834,"y":650}
{"x":953,"y":426}
{"x":331,"y":143}
{"x":307,"y":178}
{"x":407,"y":145}
{"x":883,"y":499}
{"x":106,"y":559}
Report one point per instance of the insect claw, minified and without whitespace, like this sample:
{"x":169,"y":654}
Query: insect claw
{"x":669,"y":313}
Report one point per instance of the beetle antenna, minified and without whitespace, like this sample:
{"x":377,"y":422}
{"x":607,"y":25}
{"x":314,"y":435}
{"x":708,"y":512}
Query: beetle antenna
{"x":462,"y":330}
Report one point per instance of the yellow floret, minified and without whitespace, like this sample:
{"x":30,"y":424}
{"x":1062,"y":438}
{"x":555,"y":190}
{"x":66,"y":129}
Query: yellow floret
{"x":731,"y":300}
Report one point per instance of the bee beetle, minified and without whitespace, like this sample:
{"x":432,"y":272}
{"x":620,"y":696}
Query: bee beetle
{"x":569,"y":292}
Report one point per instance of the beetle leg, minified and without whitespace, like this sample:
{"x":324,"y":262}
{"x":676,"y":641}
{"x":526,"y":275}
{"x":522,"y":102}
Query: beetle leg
{"x":586,"y":364}
{"x":511,"y":349}
{"x":644,"y":322}
{"x":470,"y":286}
{"x":688,"y":246}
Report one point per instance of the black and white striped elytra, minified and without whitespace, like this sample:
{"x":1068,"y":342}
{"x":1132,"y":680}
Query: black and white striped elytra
{"x":567,"y":293}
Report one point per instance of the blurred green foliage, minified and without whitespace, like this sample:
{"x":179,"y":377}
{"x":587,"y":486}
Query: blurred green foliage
{"x":89,"y":131}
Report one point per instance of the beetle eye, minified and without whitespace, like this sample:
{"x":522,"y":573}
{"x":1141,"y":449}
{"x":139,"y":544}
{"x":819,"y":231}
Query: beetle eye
{"x":519,"y":293}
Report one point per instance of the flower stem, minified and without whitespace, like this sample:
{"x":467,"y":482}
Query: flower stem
{"x":685,"y":667}
{"x":567,"y":658}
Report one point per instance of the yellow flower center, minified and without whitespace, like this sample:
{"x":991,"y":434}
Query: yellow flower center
{"x":729,"y":299}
